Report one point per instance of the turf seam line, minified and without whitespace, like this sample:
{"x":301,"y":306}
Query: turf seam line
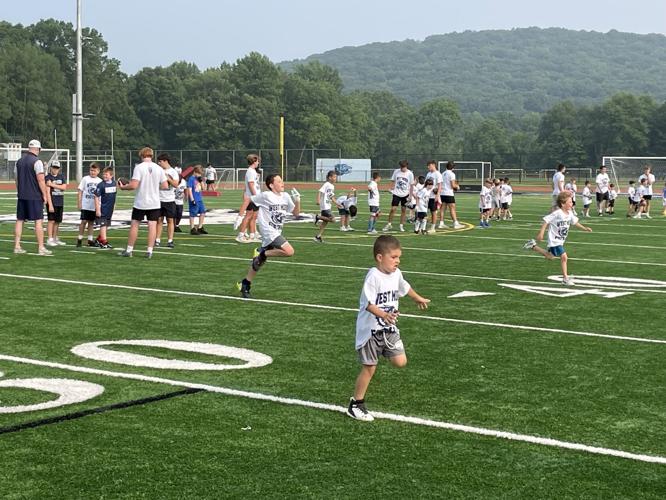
{"x":526,"y":438}
{"x":96,"y":411}
{"x":334,"y":308}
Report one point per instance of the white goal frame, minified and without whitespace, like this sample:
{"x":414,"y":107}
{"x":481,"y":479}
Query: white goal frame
{"x":506,"y":171}
{"x":225,"y":178}
{"x":10,"y":153}
{"x":607,"y":161}
{"x":463,"y":166}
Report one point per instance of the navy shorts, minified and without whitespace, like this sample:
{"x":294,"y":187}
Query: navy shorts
{"x":88,"y":215}
{"x":29,"y":210}
{"x":343,"y":211}
{"x":557,"y":251}
{"x":373,"y":209}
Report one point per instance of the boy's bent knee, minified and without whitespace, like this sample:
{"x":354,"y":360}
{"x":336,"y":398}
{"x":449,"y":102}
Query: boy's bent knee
{"x":399,"y":361}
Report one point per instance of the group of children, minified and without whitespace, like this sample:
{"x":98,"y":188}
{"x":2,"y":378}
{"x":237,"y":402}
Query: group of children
{"x":96,"y":200}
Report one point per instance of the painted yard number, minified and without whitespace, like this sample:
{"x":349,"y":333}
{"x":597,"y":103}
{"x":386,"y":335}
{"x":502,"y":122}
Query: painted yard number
{"x":603,"y":282}
{"x":71,"y":391}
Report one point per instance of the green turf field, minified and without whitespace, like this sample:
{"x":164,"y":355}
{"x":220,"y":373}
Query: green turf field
{"x":586,"y":372}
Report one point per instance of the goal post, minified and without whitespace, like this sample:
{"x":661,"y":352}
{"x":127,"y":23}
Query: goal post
{"x":469,"y":171}
{"x":225,"y":178}
{"x":622,"y":169}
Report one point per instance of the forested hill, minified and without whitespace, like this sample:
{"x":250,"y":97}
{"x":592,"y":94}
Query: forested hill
{"x":519,"y":70}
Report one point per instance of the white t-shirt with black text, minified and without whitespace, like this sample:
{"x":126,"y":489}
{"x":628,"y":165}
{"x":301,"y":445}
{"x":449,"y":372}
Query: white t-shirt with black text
{"x":88,"y":186}
{"x":327,"y":191}
{"x":384,"y":291}
{"x":373,"y":194}
{"x":436,"y":177}
{"x":558,"y":226}
{"x":402,"y":182}
{"x":272,"y":209}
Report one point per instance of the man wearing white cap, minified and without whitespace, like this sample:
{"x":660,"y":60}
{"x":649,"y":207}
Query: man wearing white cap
{"x":31,"y":194}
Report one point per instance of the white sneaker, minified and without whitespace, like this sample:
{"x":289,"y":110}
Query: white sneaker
{"x":402,"y":228}
{"x":458,"y":225}
{"x":648,"y":216}
{"x":374,"y":231}
{"x":51,"y":243}
{"x":358,"y":411}
{"x":45,"y":251}
{"x":61,"y":243}
{"x":441,"y":225}
{"x":529,"y":245}
{"x":349,"y":228}
{"x":568,"y":281}
{"x":343,"y":228}
{"x":241,"y":238}
{"x":637,"y":216}
{"x":432,"y":230}
{"x":19,"y":251}
{"x":387,"y":227}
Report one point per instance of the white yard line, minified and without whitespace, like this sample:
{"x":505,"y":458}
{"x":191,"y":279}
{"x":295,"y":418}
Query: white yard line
{"x":569,"y":241}
{"x":332,"y":308}
{"x":526,"y":438}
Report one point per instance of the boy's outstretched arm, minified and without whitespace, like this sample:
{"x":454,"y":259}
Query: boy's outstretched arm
{"x":421,"y":302}
{"x":584,"y":228}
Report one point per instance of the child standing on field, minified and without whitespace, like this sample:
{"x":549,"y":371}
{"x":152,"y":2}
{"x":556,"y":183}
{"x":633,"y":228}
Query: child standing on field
{"x":180,"y":197}
{"x":422,"y":199}
{"x":347,"y":209}
{"x":325,"y":199}
{"x":612,"y":196}
{"x":587,"y":199}
{"x":558,"y":223}
{"x":373,"y":202}
{"x":86,"y":203}
{"x":485,"y":203}
{"x":195,"y":198}
{"x":376,"y":330}
{"x":105,"y":202}
{"x":55,"y":182}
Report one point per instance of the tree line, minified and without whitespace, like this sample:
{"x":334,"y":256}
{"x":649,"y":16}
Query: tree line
{"x":236,"y":106}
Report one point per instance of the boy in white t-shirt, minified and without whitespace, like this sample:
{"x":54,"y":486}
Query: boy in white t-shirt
{"x":325,"y":200}
{"x":273,"y":205}
{"x":506,"y":199}
{"x":211,"y":176}
{"x":639,"y":196}
{"x":612,"y":196}
{"x":376,"y":330}
{"x":180,"y":200}
{"x":631,"y":195}
{"x":403,"y":180}
{"x":485,"y":204}
{"x":558,"y":223}
{"x":373,"y":202}
{"x":347,"y":209}
{"x":434,"y":202}
{"x":86,"y":203}
{"x":422,"y":198}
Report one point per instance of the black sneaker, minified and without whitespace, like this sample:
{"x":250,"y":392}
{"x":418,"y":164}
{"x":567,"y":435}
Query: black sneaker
{"x":194,"y":230}
{"x":316,"y":221}
{"x":318,"y":239}
{"x":157,"y":244}
{"x":79,"y":243}
{"x":243,"y":289}
{"x":92,"y":243}
{"x":202,"y":230}
{"x":177,"y":229}
{"x":170,"y":244}
{"x":358,"y":411}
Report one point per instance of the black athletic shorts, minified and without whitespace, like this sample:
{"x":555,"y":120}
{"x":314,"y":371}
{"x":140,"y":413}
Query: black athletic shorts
{"x":448,"y":199}
{"x":326,"y":213}
{"x":88,"y":215}
{"x":168,"y":209}
{"x":647,"y":197}
{"x":343,"y":211}
{"x":432,"y":204}
{"x":56,"y":215}
{"x":252,"y":207}
{"x":602,"y":196}
{"x":151,"y":215}
{"x":505,"y":205}
{"x":399,"y":200}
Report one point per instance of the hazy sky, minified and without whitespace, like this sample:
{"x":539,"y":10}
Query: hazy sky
{"x":208,"y":32}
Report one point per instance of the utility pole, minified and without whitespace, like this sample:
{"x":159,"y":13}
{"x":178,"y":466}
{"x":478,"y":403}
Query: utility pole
{"x":78,"y":111}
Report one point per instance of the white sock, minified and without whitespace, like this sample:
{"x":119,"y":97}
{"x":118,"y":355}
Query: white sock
{"x":149,"y":250}
{"x":129,"y":248}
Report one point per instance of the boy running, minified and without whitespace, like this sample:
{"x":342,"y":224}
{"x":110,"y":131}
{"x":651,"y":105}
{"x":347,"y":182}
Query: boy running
{"x":376,"y":330}
{"x":558,"y":223}
{"x":325,"y":199}
{"x":273,"y":205}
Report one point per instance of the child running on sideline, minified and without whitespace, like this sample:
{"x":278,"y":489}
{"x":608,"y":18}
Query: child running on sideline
{"x":86,"y":203}
{"x":485,"y":204}
{"x":273,"y":205}
{"x":347,"y":209}
{"x":325,"y":199}
{"x":373,"y":202}
{"x":422,"y":199}
{"x":105,"y":201}
{"x":558,"y":223}
{"x":587,"y":199}
{"x":376,"y":330}
{"x":55,"y":182}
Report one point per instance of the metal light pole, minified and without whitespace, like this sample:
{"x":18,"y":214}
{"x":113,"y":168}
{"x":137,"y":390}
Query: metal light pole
{"x":78,"y":112}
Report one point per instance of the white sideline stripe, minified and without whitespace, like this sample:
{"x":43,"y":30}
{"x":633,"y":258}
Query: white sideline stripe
{"x":191,"y":245}
{"x":442,"y":250}
{"x":526,"y":438}
{"x":333,"y":308}
{"x":424,"y":273}
{"x":569,"y":242}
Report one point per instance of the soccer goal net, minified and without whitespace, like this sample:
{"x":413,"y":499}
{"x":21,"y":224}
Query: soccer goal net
{"x":623,"y":169}
{"x":226,"y":178}
{"x":10,"y":153}
{"x":240,"y":179}
{"x":469,"y":171}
